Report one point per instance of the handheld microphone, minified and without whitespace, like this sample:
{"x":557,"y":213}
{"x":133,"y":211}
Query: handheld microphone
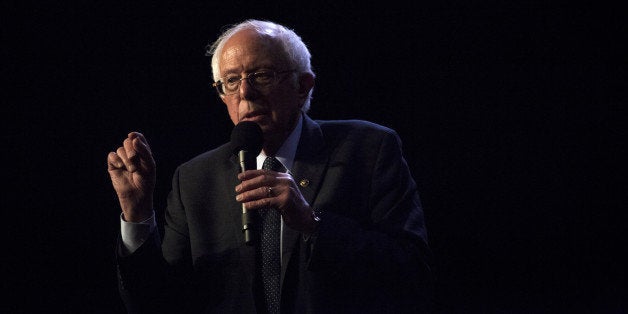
{"x":246,"y":142}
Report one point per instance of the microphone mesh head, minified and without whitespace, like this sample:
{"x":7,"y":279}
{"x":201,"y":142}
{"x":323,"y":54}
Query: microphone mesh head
{"x":248,"y":136}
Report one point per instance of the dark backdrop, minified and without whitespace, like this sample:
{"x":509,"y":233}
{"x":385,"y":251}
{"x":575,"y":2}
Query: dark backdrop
{"x":496,"y":104}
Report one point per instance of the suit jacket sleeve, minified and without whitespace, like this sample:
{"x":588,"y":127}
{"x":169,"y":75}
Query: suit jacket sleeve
{"x":158,"y":277}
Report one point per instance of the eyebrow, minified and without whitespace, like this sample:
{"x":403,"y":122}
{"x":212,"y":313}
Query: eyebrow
{"x":260,"y":68}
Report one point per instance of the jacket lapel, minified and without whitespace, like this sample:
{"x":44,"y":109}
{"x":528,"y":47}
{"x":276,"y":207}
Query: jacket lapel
{"x":308,"y":169}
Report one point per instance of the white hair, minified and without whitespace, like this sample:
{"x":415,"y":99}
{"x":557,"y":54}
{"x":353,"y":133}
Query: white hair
{"x":295,"y":50}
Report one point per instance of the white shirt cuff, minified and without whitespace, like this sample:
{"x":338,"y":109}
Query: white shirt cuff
{"x":134,"y":234}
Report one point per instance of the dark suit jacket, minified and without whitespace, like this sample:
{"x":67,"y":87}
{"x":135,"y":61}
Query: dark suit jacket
{"x":370,"y":254}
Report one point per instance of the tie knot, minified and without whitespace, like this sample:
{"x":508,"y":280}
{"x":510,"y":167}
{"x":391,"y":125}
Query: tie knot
{"x":271,"y":163}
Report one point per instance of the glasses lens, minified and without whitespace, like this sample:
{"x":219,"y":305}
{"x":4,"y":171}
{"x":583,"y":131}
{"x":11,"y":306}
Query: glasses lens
{"x":231,"y":84}
{"x":261,"y":81}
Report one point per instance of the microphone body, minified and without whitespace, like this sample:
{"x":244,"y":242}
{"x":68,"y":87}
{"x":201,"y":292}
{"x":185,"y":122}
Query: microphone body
{"x":246,"y":142}
{"x":247,"y":162}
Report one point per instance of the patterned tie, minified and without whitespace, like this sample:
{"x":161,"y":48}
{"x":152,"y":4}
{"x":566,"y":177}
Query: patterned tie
{"x":270,"y":250}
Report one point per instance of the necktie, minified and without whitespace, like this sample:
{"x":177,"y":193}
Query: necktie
{"x":269,"y":247}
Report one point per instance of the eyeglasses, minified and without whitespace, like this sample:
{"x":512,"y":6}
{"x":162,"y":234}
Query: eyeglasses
{"x":262,"y":82}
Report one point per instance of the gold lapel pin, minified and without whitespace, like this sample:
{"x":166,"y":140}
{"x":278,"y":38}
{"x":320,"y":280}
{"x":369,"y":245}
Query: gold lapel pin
{"x":304,"y":183}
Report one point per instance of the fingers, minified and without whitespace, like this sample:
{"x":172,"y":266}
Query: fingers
{"x":133,"y":154}
{"x":253,"y":179}
{"x":114,"y":162}
{"x":269,"y":189}
{"x":264,"y":193}
{"x":140,"y":144}
{"x":263,"y":189}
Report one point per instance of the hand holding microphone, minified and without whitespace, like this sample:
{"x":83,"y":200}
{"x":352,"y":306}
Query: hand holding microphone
{"x":266,"y":188}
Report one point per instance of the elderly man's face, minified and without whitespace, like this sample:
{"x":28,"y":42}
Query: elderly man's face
{"x":274,"y":109}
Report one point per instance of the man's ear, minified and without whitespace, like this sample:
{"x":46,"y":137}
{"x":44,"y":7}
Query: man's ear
{"x":306,"y":83}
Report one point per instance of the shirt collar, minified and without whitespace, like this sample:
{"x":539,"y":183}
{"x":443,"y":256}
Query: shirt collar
{"x":288,"y":149}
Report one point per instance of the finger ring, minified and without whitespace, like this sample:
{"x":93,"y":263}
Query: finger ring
{"x":269,"y":192}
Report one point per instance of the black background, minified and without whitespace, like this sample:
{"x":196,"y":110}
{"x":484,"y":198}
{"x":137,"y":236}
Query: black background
{"x":510,"y":116}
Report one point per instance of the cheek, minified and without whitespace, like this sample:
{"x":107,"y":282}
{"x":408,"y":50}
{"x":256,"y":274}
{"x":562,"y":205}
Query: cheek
{"x":286,"y":115}
{"x":233,"y":112}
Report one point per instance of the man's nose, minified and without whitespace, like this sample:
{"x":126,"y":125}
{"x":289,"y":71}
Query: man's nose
{"x":247,"y":91}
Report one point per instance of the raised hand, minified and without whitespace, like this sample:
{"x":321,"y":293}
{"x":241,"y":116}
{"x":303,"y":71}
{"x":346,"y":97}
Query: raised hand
{"x":132,"y":171}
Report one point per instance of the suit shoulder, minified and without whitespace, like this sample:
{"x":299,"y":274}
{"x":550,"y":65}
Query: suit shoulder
{"x":353,"y":125}
{"x":218,"y":154}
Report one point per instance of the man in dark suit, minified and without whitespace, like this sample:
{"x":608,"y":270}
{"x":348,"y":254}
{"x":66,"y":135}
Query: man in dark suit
{"x":350,"y":237}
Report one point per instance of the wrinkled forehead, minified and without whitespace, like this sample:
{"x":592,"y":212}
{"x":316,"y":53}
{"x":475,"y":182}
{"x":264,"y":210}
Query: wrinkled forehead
{"x":248,"y":48}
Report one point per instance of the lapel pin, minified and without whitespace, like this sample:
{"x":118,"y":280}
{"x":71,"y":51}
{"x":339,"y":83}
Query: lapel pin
{"x":304,"y":183}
